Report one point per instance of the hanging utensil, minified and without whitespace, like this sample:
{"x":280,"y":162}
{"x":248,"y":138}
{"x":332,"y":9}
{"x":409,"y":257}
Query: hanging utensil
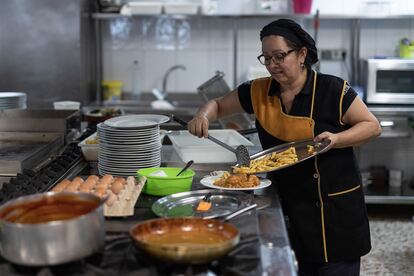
{"x":189,"y":163}
{"x":242,"y":154}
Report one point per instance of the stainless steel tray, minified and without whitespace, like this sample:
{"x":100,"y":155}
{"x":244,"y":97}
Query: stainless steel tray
{"x":301,"y":148}
{"x":20,"y":150}
{"x":185,"y":204}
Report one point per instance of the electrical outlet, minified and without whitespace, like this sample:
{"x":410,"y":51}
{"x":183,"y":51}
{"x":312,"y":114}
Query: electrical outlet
{"x":332,"y":54}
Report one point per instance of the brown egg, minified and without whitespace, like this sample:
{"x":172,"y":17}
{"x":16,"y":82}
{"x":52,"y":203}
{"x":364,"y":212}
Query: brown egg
{"x":100,"y":191}
{"x":117,"y":186}
{"x":105,"y":181}
{"x":100,"y":188}
{"x":72,"y":187}
{"x":77,"y":180}
{"x":88,"y":185}
{"x":93,"y":177}
{"x":107,"y":178}
{"x":61,"y":185}
{"x":120,"y":179}
{"x":100,"y":194}
{"x":102,"y":185}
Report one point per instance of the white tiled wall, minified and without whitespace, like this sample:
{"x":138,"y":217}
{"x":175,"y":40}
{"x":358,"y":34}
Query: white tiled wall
{"x":381,"y":37}
{"x":210,"y":48}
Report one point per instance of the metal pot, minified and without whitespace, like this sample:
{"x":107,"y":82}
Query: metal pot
{"x":51,"y":228}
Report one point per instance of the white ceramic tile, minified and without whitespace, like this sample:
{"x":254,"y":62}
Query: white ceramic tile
{"x":220,"y":60}
{"x":157,"y":63}
{"x":247,"y":58}
{"x":249,"y":32}
{"x":196,"y":68}
{"x":220,"y":33}
{"x":337,"y":7}
{"x":119,"y":65}
{"x":381,"y":37}
{"x":210,"y":47}
{"x":199,"y":33}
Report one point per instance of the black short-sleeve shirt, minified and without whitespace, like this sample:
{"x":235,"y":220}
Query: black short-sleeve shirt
{"x":325,"y":82}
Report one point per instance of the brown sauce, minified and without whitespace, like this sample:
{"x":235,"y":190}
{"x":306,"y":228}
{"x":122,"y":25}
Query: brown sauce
{"x":48,"y":209}
{"x":187,"y":238}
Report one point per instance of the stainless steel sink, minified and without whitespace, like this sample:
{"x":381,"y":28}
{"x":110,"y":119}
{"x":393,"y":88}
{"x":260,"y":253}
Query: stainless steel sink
{"x":185,"y":105}
{"x":185,"y":110}
{"x":179,"y":108}
{"x":176,"y":104}
{"x":189,"y":104}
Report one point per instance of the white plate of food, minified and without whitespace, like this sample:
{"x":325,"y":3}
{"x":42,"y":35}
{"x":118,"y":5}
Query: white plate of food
{"x":235,"y":182}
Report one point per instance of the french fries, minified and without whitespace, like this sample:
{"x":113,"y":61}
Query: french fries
{"x":269,"y":162}
{"x":311,"y":149}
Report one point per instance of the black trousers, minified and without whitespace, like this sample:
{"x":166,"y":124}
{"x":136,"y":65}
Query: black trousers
{"x":347,"y":268}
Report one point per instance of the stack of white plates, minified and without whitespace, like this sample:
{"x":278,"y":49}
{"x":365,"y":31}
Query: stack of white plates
{"x":9,"y":100}
{"x":128,"y":143}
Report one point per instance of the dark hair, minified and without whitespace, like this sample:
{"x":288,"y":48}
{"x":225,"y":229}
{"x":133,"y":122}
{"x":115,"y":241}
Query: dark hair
{"x":296,"y":37}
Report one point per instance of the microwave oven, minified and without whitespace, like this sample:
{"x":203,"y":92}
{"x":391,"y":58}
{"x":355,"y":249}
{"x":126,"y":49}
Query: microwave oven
{"x":388,"y":81}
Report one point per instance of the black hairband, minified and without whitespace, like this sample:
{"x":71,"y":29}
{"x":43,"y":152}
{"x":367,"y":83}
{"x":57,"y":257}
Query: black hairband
{"x":293,"y":32}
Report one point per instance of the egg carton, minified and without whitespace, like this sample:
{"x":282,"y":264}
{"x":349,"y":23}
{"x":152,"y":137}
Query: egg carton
{"x":120,"y":194}
{"x":124,"y":203}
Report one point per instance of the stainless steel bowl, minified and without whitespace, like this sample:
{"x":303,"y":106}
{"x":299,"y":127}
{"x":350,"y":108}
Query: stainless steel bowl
{"x":53,"y":241}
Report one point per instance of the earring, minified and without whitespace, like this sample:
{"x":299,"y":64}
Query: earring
{"x":302,"y":65}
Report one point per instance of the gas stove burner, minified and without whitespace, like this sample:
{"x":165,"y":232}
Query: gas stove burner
{"x":120,"y":256}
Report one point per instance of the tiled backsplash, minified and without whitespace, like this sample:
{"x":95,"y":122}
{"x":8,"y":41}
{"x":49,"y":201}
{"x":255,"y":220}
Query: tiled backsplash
{"x":210,"y":48}
{"x":206,"y":45}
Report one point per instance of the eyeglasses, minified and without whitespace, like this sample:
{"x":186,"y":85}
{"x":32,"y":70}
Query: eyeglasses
{"x":277,"y":58}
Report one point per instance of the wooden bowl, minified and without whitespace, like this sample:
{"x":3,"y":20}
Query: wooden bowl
{"x":185,"y":240}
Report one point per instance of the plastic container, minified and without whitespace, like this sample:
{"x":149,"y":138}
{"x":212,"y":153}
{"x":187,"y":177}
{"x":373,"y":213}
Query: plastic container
{"x":180,"y":8}
{"x":70,"y":105}
{"x":112,"y":90}
{"x":145,"y":7}
{"x":90,"y":151}
{"x":302,"y":6}
{"x":201,"y":150}
{"x":165,"y":185}
{"x":406,"y":51}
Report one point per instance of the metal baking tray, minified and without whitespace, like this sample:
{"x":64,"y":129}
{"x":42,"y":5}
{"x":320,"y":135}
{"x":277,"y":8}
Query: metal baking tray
{"x":20,"y":150}
{"x":39,"y":120}
{"x":301,"y":148}
{"x":185,"y":204}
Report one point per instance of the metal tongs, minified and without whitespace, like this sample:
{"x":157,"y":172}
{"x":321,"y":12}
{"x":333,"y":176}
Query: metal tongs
{"x":242,"y":154}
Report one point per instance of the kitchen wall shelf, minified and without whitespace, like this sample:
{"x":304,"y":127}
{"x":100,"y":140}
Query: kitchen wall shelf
{"x":104,"y":16}
{"x":388,"y":199}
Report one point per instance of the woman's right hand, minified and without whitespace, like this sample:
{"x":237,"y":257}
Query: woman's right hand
{"x":198,"y":126}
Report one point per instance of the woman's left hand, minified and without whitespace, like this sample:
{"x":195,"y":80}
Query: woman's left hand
{"x":326,"y":135}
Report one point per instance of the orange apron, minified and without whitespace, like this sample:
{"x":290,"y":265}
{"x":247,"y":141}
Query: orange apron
{"x":269,"y":113}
